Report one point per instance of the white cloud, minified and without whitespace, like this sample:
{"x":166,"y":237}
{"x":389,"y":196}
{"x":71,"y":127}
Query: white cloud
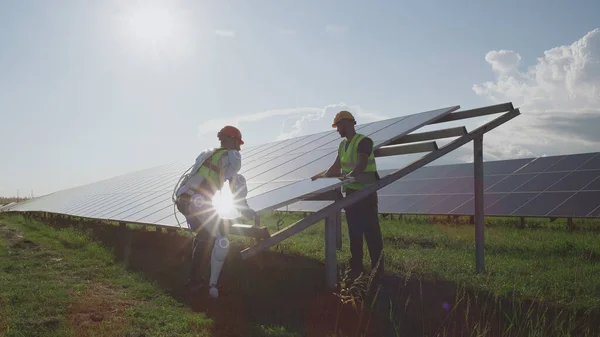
{"x":225,"y":33}
{"x":559,"y":98}
{"x":503,"y":61}
{"x":214,"y":125}
{"x":300,"y":121}
{"x":322,"y":119}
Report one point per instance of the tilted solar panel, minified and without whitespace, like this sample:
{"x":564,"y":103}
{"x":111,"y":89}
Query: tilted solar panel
{"x":277,"y":174}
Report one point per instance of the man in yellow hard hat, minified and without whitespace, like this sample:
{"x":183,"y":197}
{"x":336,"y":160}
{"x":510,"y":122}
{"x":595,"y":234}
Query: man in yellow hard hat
{"x":356,"y":159}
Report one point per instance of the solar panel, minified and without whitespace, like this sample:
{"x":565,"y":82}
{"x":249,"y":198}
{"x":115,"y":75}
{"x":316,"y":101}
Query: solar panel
{"x":592,"y":164}
{"x":543,"y":203}
{"x":540,"y":164}
{"x":575,"y":180}
{"x":571,"y":162}
{"x":565,"y":185}
{"x":581,"y":204}
{"x":277,"y":175}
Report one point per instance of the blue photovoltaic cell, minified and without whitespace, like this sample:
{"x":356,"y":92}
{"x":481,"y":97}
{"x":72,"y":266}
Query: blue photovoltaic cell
{"x":458,"y":185}
{"x":427,"y":172}
{"x":592,"y":164}
{"x":387,"y":203}
{"x":541,"y":182}
{"x":435,"y":185}
{"x":421,"y":206}
{"x":540,"y":164}
{"x":571,"y":162}
{"x":468,"y":208}
{"x":575,"y":180}
{"x":509,"y":203}
{"x":404,"y":187}
{"x":543,"y":203}
{"x":404,"y":202}
{"x":503,"y":166}
{"x":458,"y":170}
{"x":450,"y":203}
{"x":510,"y":183}
{"x":593,"y":185}
{"x":579,"y":205}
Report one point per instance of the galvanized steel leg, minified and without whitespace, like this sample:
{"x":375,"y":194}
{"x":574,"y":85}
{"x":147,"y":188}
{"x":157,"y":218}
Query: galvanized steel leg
{"x":126,"y":238}
{"x":479,"y":218}
{"x":330,"y":251}
{"x":338,"y":230}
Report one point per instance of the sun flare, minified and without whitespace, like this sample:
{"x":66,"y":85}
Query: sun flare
{"x":223,"y":202}
{"x":152,"y":24}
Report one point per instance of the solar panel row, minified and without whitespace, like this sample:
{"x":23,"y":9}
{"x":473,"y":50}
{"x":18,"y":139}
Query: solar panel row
{"x":277,"y":174}
{"x":555,"y":186}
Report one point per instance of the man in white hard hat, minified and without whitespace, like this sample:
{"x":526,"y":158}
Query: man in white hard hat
{"x":194,"y":199}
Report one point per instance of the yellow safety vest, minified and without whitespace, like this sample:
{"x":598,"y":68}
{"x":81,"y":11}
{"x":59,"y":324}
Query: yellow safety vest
{"x":212,"y":172}
{"x":349,"y":160}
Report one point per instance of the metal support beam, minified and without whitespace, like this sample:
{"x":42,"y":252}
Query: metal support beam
{"x":126,"y":241}
{"x":431,"y":135}
{"x":249,"y":231}
{"x":338,"y":230}
{"x":384,"y":181}
{"x":522,"y":222}
{"x":489,"y":110}
{"x":331,"y":195}
{"x":330,"y":251}
{"x":394,"y":150}
{"x":479,"y":225}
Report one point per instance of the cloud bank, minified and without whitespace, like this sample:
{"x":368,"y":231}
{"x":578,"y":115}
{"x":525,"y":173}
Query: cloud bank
{"x":559,"y":97}
{"x":298,"y":121}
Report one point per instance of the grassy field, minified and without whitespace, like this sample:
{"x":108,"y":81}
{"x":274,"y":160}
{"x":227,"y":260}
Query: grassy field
{"x":538,"y":268}
{"x":61,"y":283}
{"x":543,"y":261}
{"x":539,"y":281}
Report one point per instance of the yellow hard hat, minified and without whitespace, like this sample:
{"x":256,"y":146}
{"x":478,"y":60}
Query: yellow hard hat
{"x":342,"y":115}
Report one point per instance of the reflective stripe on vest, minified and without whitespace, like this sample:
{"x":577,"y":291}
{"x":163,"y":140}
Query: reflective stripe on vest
{"x":349,"y":160}
{"x":211,"y":170}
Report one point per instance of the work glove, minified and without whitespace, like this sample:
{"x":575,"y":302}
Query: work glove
{"x":247,"y":212}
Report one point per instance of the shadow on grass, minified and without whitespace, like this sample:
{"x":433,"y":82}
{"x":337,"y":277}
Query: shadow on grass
{"x":275,"y":294}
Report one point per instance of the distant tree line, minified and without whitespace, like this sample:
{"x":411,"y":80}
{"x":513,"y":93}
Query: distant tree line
{"x":8,"y":200}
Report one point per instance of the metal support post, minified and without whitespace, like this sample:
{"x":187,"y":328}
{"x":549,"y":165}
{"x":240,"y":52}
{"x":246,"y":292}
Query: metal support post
{"x":126,"y":238}
{"x":522,"y":222}
{"x":338,"y":230}
{"x":330,"y":251}
{"x":479,"y":218}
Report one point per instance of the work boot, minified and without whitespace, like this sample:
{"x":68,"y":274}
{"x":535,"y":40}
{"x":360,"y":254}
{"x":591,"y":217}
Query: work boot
{"x":213,"y":292}
{"x":195,"y":285}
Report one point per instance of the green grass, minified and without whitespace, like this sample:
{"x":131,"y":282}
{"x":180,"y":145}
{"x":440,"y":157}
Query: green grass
{"x":547,"y":262}
{"x":548,"y":274}
{"x":60,"y":283}
{"x":529,"y":273}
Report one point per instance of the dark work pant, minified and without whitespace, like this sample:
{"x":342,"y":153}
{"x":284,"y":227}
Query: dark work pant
{"x":363,"y":221}
{"x":202,"y":248}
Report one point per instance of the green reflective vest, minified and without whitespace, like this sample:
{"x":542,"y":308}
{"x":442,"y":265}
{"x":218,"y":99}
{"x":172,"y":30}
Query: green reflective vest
{"x":211,"y":170}
{"x":349,"y":160}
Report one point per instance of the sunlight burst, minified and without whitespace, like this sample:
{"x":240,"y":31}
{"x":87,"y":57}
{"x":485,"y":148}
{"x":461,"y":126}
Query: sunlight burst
{"x":152,"y":24}
{"x":223,"y":202}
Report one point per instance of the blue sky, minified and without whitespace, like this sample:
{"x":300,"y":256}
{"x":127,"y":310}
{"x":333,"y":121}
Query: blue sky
{"x":89,"y":90}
